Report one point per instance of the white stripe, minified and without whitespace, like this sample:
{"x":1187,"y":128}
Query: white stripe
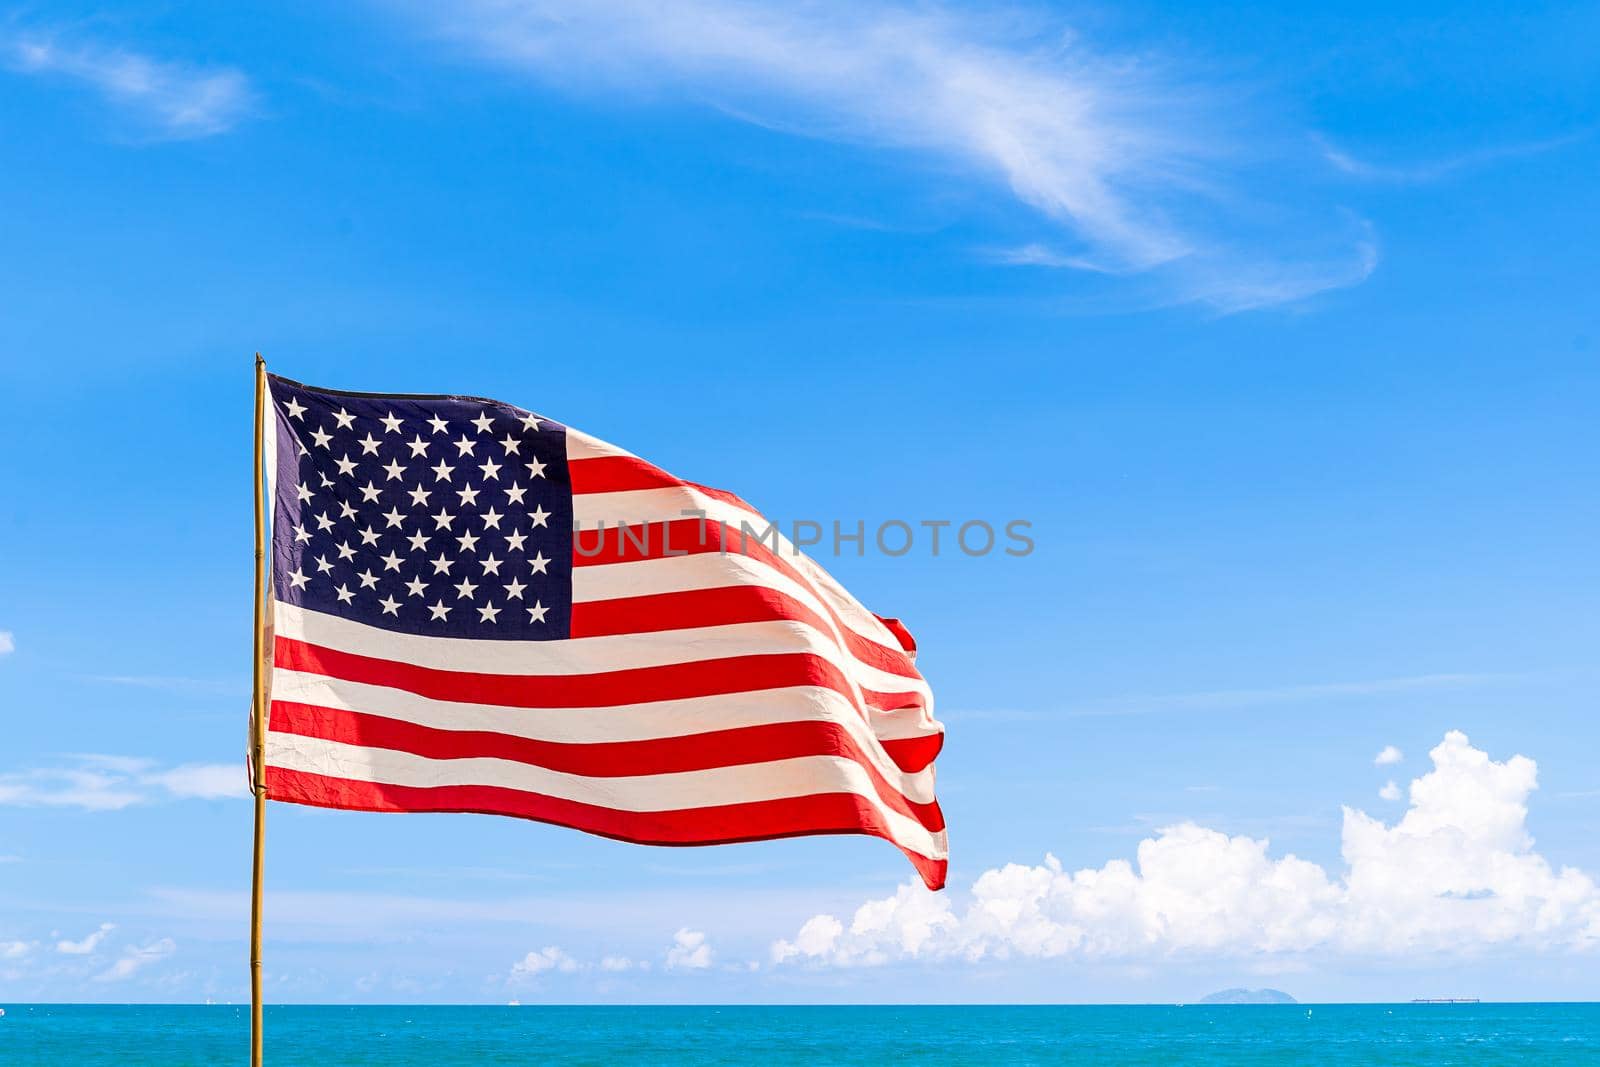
{"x":745,"y":784}
{"x":635,"y":506}
{"x":587,"y":726}
{"x":583,"y":446}
{"x":582,"y":655}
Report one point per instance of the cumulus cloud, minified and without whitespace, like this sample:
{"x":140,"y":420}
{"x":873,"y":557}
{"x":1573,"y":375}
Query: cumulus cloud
{"x":1456,"y":874}
{"x":110,"y":783}
{"x":689,"y":952}
{"x":616,"y":964}
{"x":166,"y":100}
{"x":1115,"y":156}
{"x":549,"y":958}
{"x":8,"y":643}
{"x":1387,"y":755}
{"x":135,"y":958}
{"x":87,"y":944}
{"x":1390,"y":791}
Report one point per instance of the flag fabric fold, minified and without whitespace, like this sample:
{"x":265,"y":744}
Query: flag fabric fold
{"x":477,"y":609}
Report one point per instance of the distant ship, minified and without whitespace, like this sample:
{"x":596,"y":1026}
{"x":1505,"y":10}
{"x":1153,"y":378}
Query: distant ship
{"x":1444,"y":1000}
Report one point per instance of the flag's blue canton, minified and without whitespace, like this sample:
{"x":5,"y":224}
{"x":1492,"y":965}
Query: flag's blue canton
{"x":444,"y":516}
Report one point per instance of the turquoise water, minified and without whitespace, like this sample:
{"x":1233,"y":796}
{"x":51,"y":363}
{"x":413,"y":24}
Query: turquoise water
{"x":1399,"y":1034}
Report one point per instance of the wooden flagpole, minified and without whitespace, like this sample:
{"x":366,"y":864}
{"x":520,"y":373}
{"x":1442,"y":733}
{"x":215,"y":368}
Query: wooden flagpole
{"x":258,"y":722}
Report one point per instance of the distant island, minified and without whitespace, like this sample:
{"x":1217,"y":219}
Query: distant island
{"x":1249,"y":996}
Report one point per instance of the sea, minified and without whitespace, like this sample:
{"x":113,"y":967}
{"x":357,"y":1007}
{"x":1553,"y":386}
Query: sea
{"x":53,"y":1035}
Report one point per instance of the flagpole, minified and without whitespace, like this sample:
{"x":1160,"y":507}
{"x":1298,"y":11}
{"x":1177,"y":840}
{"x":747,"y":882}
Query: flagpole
{"x":258,"y":725}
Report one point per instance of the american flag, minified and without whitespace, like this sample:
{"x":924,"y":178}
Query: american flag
{"x":478,"y":609}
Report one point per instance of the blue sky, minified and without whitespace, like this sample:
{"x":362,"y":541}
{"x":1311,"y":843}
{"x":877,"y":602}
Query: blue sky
{"x":1276,"y":322}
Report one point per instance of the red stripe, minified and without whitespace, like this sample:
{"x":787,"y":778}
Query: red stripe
{"x":614,"y":759}
{"x":687,"y":537}
{"x":637,"y":685}
{"x":723,"y":606}
{"x":617,"y":474}
{"x":823,"y":813}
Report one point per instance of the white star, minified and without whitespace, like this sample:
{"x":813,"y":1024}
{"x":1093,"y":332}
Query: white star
{"x":535,"y":468}
{"x":323,"y":566}
{"x":465,"y":446}
{"x":369,"y":445}
{"x":395,"y":471}
{"x":530,"y":422}
{"x":346,"y":465}
{"x":304,"y":451}
{"x":515,"y":493}
{"x":419,"y":496}
{"x":491,"y":565}
{"x":492,"y":518}
{"x":345,"y":510}
{"x":369,"y":536}
{"x":369,"y":493}
{"x":539,"y":563}
{"x":327,"y":482}
{"x":511,"y":444}
{"x":345,"y":551}
{"x":437,"y":423}
{"x":419,"y":541}
{"x":490,"y":469}
{"x":418,"y":446}
{"x":442,"y":472}
{"x":301,"y":535}
{"x":483,"y":422}
{"x":514,"y":590}
{"x":391,"y":562}
{"x":514,"y":541}
{"x":344,"y":419}
{"x":391,"y":606}
{"x":324,"y":523}
{"x":469,"y":541}
{"x":321,"y":437}
{"x":465,"y":588}
{"x":416,"y":586}
{"x":488,"y":613}
{"x":538,"y":515}
{"x":368,"y":579}
{"x":468,"y":495}
{"x":302,"y":492}
{"x":537,"y":612}
{"x":443,"y":520}
{"x":297,"y":580}
{"x":390,"y":423}
{"x":442,"y":565}
{"x":393,"y":518}
{"x":439,"y":610}
{"x":297,"y":410}
{"x":344,"y":594}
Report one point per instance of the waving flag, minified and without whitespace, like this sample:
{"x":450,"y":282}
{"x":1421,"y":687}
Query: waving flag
{"x":477,"y":609}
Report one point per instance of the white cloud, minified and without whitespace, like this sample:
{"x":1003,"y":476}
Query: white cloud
{"x":549,"y":958}
{"x":15,"y":950}
{"x":8,"y":643}
{"x":135,"y":958}
{"x":1456,"y":874}
{"x":1389,"y":754}
{"x":1390,"y":791}
{"x":621,"y":963}
{"x":1114,"y":154}
{"x":689,"y":952}
{"x":110,"y":783}
{"x":1432,"y":170}
{"x":168,"y":100}
{"x":88,"y":944}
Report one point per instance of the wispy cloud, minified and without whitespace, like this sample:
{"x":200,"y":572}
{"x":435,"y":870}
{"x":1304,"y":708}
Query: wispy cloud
{"x":1419,"y":173}
{"x":8,"y":643}
{"x":86,"y":945}
{"x":164,"y":99}
{"x":135,"y":958}
{"x":111,"y":783}
{"x":1119,"y":156}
